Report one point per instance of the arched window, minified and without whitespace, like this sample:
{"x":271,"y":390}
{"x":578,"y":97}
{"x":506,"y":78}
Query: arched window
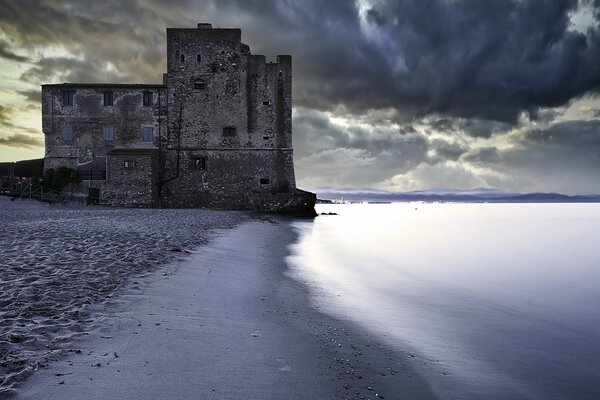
{"x":199,"y":84}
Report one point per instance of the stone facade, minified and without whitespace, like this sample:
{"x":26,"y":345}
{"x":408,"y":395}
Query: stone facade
{"x":216,"y":133}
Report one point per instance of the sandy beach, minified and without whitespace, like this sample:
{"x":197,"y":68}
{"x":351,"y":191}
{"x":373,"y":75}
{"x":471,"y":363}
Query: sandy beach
{"x":223,"y":322}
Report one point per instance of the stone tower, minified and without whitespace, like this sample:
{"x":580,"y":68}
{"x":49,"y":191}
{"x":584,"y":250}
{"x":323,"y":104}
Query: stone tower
{"x":218,"y":132}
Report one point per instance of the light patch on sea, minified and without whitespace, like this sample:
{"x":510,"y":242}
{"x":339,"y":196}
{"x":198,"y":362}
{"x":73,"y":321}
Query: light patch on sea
{"x":495,"y":301}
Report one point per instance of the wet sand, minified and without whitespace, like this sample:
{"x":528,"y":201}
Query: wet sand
{"x":225,"y":322}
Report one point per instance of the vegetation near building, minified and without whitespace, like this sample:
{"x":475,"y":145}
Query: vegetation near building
{"x":216,"y":133}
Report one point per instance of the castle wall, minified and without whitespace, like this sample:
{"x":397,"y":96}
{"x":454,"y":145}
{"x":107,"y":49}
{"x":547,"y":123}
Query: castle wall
{"x":227,"y":179}
{"x":87,"y":117}
{"x":134,"y":185}
{"x":223,"y":117}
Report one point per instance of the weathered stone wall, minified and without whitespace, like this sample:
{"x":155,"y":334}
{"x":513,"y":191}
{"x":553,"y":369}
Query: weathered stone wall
{"x":88,"y":116}
{"x":228,"y":179}
{"x":238,"y":90}
{"x":222,"y":101}
{"x":134,"y":186}
{"x":212,"y":83}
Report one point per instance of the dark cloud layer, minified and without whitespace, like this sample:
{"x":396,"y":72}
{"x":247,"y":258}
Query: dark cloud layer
{"x":421,"y":80}
{"x":492,"y":59}
{"x":20,"y":140}
{"x":5,"y":52}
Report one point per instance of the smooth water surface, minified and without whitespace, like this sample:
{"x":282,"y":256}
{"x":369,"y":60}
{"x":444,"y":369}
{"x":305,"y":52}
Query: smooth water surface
{"x":496,"y":301}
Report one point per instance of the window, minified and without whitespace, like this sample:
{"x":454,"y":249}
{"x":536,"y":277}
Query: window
{"x":199,"y":84}
{"x":108,"y":133}
{"x":108,"y":98}
{"x":229,"y":131}
{"x":129,"y":164}
{"x":266,"y":103}
{"x":264,"y":181}
{"x":199,"y":163}
{"x":198,"y":58}
{"x":266,"y":137}
{"x":67,"y":133}
{"x":148,"y":99}
{"x":67,"y":98}
{"x":147,"y":133}
{"x":183,"y":58}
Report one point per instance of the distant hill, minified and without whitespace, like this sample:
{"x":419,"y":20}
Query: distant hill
{"x":23,"y":169}
{"x":477,"y":195}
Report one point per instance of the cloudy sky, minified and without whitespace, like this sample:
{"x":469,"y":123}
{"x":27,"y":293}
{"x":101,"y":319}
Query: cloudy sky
{"x":396,"y":95}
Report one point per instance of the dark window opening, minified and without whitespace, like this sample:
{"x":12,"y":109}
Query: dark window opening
{"x":129,"y":164}
{"x":108,"y":98}
{"x":147,"y":99}
{"x":108,"y":133}
{"x":198,"y":58}
{"x":67,"y":133}
{"x":266,"y":103}
{"x":264,"y":181}
{"x":183,"y":58}
{"x":199,"y":84}
{"x":67,"y":98}
{"x":266,"y":137}
{"x":147,"y":133}
{"x":199,"y":163}
{"x":229,"y":131}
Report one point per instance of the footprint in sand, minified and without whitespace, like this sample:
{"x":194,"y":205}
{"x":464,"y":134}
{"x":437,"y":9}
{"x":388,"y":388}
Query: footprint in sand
{"x":283,"y":367}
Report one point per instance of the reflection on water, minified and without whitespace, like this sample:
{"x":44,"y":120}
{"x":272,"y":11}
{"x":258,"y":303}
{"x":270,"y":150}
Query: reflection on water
{"x":498,"y":301}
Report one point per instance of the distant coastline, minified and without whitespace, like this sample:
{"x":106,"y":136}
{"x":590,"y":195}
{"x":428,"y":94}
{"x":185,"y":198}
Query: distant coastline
{"x":484,"y":195}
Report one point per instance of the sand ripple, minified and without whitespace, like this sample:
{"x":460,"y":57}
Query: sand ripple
{"x":57,"y":262}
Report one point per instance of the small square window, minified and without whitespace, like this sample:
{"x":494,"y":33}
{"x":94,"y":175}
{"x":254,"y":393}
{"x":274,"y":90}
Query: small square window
{"x":199,"y":163}
{"x":129,"y":164}
{"x":108,"y":133}
{"x":264,"y":181}
{"x":108,"y":98}
{"x":67,"y":98}
{"x":199,"y":84}
{"x":148,"y":133}
{"x":67,"y":133}
{"x":148,"y":99}
{"x":229,"y":131}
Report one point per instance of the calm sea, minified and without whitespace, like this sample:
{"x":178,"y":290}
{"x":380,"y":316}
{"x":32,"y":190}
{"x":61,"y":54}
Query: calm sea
{"x":496,"y":301}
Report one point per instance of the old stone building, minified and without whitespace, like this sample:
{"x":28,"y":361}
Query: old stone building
{"x":216,"y":133}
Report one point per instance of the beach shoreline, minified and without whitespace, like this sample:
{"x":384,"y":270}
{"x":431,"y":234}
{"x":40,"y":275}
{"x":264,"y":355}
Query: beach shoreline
{"x":226,"y":322}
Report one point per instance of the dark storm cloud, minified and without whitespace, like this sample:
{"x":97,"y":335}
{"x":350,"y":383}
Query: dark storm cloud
{"x":20,"y":140}
{"x":33,"y":96}
{"x":564,"y":156}
{"x":314,"y":132}
{"x":581,"y":133}
{"x":473,"y":127}
{"x":483,"y":156}
{"x":6,"y":52}
{"x":5,"y":116}
{"x":492,"y":59}
{"x":445,"y":150}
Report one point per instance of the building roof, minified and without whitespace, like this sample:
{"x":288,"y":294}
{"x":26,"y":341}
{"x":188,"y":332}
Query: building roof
{"x":110,"y":85}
